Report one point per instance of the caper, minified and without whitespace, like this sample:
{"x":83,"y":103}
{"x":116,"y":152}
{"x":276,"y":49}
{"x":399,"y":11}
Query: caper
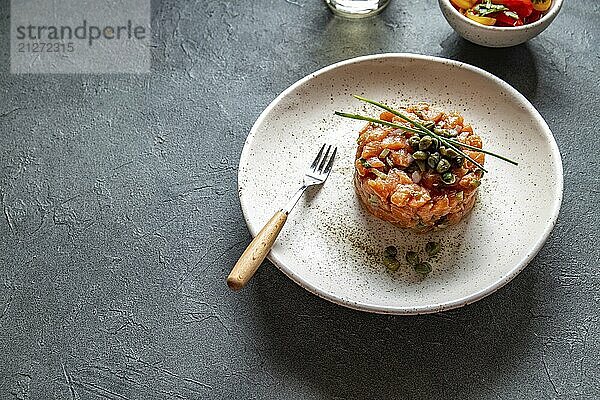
{"x":414,"y":140}
{"x":391,"y":264}
{"x":390,"y":252}
{"x":451,"y":153}
{"x":423,"y":268}
{"x":432,"y":248}
{"x":412,"y":258}
{"x":420,"y":155}
{"x":425,"y":142}
{"x":441,"y":132}
{"x":435,"y":144}
{"x":458,"y":161}
{"x":428,"y":124}
{"x":449,"y":178}
{"x":443,"y":150}
{"x":433,"y":160}
{"x":443,"y":166}
{"x":422,"y":165}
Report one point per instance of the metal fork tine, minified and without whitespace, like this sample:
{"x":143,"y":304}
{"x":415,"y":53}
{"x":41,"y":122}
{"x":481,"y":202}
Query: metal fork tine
{"x":330,"y":163}
{"x":313,"y":166}
{"x":316,"y":175}
{"x":324,"y":161}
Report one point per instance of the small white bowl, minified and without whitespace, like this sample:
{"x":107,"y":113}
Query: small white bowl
{"x":496,"y":36}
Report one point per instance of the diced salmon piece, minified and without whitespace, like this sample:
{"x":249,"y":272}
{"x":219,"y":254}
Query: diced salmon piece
{"x":386,"y":116}
{"x":375,"y":162}
{"x":475,"y":155}
{"x":401,"y":158}
{"x":371,"y":149}
{"x":394,"y":143}
{"x":400,"y":197}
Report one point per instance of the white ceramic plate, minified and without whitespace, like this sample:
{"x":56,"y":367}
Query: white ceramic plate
{"x":332,"y":247}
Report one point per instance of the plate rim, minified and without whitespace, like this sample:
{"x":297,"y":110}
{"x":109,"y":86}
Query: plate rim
{"x":431,"y":308}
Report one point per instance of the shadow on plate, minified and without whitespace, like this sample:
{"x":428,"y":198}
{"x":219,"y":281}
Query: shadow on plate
{"x":515,"y":65}
{"x":339,"y":352}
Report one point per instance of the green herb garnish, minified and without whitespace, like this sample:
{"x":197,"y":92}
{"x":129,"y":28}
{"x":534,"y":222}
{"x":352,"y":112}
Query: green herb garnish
{"x":377,"y":121}
{"x":488,"y":8}
{"x":421,"y":129}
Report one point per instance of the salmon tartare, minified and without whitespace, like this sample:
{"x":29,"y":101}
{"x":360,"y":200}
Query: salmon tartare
{"x":411,"y":179}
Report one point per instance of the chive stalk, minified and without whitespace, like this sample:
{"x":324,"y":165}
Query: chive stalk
{"x":427,"y":130}
{"x":377,"y":121}
{"x":422,"y":128}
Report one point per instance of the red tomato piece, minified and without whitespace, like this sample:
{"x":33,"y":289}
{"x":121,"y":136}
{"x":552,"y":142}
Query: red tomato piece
{"x":504,"y":20}
{"x":522,"y":7}
{"x":535,"y":15}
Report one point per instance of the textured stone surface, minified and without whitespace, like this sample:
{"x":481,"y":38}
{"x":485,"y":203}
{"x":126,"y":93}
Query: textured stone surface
{"x":120,"y":221}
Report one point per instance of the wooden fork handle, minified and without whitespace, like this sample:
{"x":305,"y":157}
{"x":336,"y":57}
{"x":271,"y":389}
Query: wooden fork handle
{"x":256,"y":252}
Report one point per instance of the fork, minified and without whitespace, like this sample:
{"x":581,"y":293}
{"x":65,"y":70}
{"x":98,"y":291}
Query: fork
{"x":258,"y":249}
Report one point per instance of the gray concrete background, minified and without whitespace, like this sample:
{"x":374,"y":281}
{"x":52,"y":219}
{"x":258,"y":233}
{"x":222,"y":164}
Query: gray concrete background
{"x":120,"y":221}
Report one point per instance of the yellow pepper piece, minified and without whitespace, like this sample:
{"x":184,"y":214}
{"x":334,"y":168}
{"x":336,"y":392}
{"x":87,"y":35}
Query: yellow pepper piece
{"x":489,"y":21}
{"x":464,"y":3}
{"x":542,"y":5}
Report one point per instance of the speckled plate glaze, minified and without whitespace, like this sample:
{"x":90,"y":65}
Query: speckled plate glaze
{"x":332,"y":247}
